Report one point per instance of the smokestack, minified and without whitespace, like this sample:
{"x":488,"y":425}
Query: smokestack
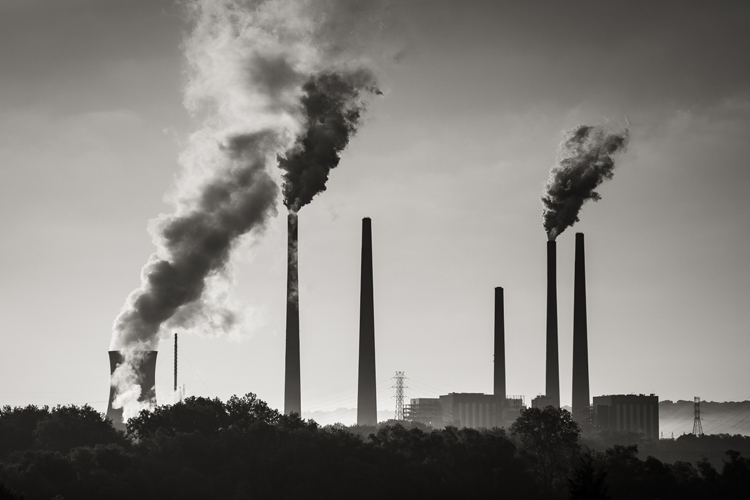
{"x":366,"y":395}
{"x":175,"y":363}
{"x":581,"y":401}
{"x":552,"y":385}
{"x":499,"y":375}
{"x":145,"y":378}
{"x":292,"y":389}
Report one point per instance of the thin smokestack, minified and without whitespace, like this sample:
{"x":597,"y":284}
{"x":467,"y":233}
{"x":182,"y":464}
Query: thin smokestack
{"x":499,"y":375}
{"x":366,"y":392}
{"x":292,"y":389}
{"x":552,"y":385}
{"x":139,"y":367}
{"x":175,"y":363}
{"x":581,"y":401}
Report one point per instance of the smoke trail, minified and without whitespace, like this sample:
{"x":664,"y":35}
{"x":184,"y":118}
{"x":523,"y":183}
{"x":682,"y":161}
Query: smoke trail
{"x":333,"y":109}
{"x":248,"y":82}
{"x":584,"y":161}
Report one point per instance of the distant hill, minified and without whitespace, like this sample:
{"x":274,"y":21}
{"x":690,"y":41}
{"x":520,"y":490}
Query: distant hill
{"x":716,"y":418}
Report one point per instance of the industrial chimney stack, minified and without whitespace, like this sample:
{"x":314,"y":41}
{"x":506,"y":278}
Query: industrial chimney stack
{"x":146,"y":379}
{"x":581,"y":401}
{"x":292,"y":389}
{"x":367,"y":411}
{"x":499,"y":375}
{"x":552,"y":385}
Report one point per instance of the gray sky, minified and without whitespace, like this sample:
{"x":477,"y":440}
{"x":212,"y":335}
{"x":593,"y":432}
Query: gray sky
{"x":449,"y":165}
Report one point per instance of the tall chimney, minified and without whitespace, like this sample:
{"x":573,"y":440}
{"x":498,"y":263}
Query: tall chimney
{"x":367,"y":411}
{"x":581,"y":401}
{"x":552,"y":385}
{"x":145,"y":378}
{"x":292,"y":390}
{"x":499,"y":375}
{"x":175,"y":365}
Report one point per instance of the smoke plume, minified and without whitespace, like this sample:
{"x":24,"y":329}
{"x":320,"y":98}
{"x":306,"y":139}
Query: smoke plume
{"x":266,"y":79}
{"x":332,"y":109}
{"x":584,"y":161}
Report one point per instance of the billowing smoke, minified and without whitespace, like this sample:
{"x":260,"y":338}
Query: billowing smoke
{"x":584,"y":161}
{"x":249,"y":84}
{"x":333,"y":109}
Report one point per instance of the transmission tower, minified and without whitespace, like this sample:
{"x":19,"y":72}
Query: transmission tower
{"x":399,"y":386}
{"x":697,"y":427}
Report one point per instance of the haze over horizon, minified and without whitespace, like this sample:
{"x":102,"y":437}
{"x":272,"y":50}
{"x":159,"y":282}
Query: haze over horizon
{"x":450,"y":164}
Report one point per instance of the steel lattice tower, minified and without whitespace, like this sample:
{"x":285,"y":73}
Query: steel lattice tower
{"x":399,"y":394}
{"x":697,"y":426}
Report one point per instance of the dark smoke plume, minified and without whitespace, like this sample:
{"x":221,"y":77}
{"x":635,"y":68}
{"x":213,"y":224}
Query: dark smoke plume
{"x":198,"y":243}
{"x":248,"y":64}
{"x":584,"y":161}
{"x":332,"y":109}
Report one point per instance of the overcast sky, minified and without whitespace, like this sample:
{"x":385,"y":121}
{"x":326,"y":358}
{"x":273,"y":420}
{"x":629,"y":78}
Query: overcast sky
{"x":449,"y":164}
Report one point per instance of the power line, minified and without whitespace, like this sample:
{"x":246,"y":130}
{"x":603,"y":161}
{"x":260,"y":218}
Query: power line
{"x":196,"y":373}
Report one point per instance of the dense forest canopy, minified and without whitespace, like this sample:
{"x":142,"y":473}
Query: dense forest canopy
{"x":242,"y":448}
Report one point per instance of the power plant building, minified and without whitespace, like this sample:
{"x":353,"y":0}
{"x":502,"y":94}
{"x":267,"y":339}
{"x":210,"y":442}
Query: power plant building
{"x":632,"y":413}
{"x":471,"y":410}
{"x":426,"y":411}
{"x":462,"y":409}
{"x":543,"y":401}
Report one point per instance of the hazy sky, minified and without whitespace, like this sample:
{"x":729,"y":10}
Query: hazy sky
{"x":450,"y":165}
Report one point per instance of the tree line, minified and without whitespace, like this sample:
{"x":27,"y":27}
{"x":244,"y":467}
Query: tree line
{"x":205,"y":448}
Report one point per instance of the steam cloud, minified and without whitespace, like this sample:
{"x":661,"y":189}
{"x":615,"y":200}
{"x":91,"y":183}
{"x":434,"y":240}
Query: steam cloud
{"x":268,"y":80}
{"x":584,"y":161}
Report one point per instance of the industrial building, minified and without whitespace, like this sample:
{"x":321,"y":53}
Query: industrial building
{"x":426,"y":411}
{"x":470,"y":409}
{"x":543,"y":401}
{"x":473,"y":410}
{"x":634,"y":413}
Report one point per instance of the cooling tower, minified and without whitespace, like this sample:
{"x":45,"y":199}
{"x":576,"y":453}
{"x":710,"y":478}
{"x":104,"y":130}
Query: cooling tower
{"x":499,"y":369}
{"x":581,"y":401}
{"x":145,"y":371}
{"x":366,"y":394}
{"x":552,"y":385}
{"x":292,"y":389}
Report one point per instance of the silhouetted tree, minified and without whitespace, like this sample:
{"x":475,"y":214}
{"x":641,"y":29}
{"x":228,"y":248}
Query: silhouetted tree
{"x":67,"y":427}
{"x":549,"y":438}
{"x":588,"y":481}
{"x":736,"y":476}
{"x":6,"y":494}
{"x":17,"y":427}
{"x":205,"y":448}
{"x":202,"y":415}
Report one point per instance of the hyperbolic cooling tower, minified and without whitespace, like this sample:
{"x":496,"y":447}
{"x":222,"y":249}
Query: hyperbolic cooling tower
{"x":552,"y":386}
{"x":146,"y":379}
{"x":499,"y":375}
{"x":581,"y":401}
{"x":367,"y":411}
{"x":292,"y":391}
